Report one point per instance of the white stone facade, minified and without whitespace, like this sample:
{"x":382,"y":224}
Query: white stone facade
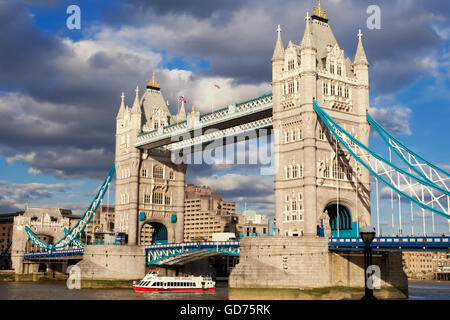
{"x":307,"y":179}
{"x":149,"y":187}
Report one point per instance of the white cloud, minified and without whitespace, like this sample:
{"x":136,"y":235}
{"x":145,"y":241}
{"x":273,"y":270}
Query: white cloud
{"x":393,"y":119}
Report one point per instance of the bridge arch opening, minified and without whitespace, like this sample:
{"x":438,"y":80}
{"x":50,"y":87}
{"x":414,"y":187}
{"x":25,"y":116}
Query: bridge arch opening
{"x":341,"y":225}
{"x":153,"y":232}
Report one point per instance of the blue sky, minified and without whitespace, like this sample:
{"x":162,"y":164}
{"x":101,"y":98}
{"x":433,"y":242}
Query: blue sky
{"x":60,"y":88}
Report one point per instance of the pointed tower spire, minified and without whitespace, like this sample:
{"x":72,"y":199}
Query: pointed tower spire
{"x":136,"y":101}
{"x":182,"y":113}
{"x":278,"y":52}
{"x":122,"y":106}
{"x":360,"y":56}
{"x":307,"y":41}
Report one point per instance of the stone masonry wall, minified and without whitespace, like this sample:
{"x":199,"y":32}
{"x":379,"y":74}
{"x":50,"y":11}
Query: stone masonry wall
{"x":112,"y":262}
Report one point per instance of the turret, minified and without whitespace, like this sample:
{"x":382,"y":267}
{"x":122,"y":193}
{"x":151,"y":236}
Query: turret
{"x":121,"y":108}
{"x":278,"y":56}
{"x":361,"y":69}
{"x":308,"y":48}
{"x":361,"y":64}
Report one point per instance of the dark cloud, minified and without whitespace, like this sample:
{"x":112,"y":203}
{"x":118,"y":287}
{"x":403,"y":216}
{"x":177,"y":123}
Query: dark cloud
{"x":69,"y":90}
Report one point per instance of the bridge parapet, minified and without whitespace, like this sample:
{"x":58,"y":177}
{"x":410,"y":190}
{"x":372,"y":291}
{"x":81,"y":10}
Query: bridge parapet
{"x":393,"y":243}
{"x":54,"y":254}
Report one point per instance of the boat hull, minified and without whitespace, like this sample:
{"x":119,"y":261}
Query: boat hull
{"x":143,"y":289}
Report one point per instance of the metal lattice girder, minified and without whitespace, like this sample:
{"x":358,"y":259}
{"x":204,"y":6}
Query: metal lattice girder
{"x":72,"y":235}
{"x":176,"y":253}
{"x":415,"y":162}
{"x":420,"y":191}
{"x":228,"y":114}
{"x":221,"y":134}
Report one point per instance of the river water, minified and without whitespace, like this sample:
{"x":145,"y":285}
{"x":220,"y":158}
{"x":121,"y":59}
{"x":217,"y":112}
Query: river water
{"x":57,"y":290}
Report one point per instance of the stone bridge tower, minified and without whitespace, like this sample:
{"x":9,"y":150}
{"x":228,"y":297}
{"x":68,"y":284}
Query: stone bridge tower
{"x":313,"y":182}
{"x":149,"y":187}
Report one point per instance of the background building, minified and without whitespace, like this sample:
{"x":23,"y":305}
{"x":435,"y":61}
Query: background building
{"x":206,"y":213}
{"x":6,"y":232}
{"x":253,"y":224}
{"x":102,"y":222}
{"x":424,"y":265}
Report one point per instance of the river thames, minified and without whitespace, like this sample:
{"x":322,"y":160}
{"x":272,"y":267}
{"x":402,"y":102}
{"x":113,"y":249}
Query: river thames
{"x":57,"y":290}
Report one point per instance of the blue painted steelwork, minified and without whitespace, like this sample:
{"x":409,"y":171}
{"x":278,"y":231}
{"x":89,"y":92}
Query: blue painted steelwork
{"x":173,"y":218}
{"x":159,"y":252}
{"x":326,"y":119}
{"x":75,"y":232}
{"x":54,"y":253}
{"x":392,"y":243}
{"x":386,"y":136}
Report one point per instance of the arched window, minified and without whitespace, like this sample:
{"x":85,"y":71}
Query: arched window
{"x":157,"y":197}
{"x":288,"y":172}
{"x":294,"y":205}
{"x":171,"y":175}
{"x":158,"y":172}
{"x":294,"y":171}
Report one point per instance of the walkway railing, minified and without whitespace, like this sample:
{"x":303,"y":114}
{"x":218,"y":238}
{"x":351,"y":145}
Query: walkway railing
{"x":54,"y":253}
{"x":393,"y":243}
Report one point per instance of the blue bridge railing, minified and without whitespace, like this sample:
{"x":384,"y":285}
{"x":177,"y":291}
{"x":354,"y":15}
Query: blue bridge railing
{"x":393,"y":243}
{"x":54,"y":253}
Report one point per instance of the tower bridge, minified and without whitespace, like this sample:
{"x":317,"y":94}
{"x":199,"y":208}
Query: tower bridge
{"x":319,"y":112}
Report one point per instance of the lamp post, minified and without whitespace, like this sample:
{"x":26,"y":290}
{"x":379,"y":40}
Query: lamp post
{"x":367,"y":235}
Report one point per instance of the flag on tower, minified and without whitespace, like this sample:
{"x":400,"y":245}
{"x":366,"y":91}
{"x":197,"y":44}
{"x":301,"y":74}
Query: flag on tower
{"x":182,"y":99}
{"x":217,"y":86}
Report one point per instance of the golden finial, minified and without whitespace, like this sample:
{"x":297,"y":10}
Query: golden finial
{"x":153,"y":83}
{"x":319,"y":12}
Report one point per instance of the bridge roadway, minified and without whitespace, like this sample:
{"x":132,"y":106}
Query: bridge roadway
{"x":182,"y":253}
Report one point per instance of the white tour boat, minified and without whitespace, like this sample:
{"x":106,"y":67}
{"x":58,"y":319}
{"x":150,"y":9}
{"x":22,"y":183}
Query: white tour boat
{"x":152,"y":282}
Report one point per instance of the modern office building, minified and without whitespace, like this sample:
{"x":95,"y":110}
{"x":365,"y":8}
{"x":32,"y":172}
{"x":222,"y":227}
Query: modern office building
{"x":206,"y":213}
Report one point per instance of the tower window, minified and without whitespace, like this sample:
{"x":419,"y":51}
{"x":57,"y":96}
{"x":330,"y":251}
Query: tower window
{"x":332,"y":68}
{"x":339,"y":70}
{"x":325,"y":87}
{"x":291,"y":64}
{"x":333,"y":90}
{"x":171,"y":175}
{"x":322,"y":135}
{"x":147,"y":198}
{"x":158,"y":172}
{"x":291,"y":87}
{"x":157,"y":197}
{"x":288,"y":172}
{"x":144,"y":172}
